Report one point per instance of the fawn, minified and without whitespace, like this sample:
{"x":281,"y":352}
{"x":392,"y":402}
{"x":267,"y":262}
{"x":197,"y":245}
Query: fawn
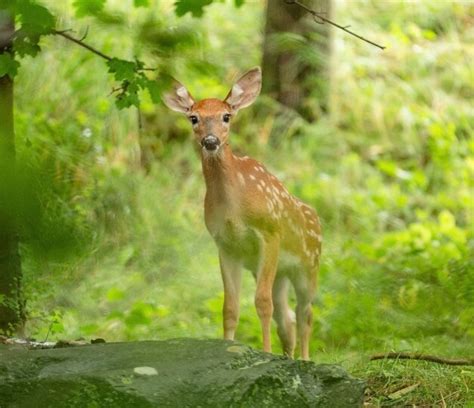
{"x":254,"y":221}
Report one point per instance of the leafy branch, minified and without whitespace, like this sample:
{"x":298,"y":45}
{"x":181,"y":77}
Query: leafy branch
{"x":35,"y":21}
{"x":130,"y":74}
{"x":320,"y":19}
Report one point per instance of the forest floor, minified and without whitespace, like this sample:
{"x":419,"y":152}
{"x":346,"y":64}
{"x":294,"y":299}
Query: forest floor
{"x":413,"y":383}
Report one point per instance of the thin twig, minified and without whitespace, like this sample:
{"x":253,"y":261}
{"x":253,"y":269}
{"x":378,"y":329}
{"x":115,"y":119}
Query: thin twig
{"x":85,"y":34}
{"x":319,"y":16}
{"x":82,"y":44}
{"x":114,"y":90}
{"x":79,"y":41}
{"x":425,"y":357}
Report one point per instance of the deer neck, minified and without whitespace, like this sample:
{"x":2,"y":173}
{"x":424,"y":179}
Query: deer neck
{"x":219,"y":174}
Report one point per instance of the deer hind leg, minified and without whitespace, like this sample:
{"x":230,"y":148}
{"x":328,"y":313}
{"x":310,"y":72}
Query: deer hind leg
{"x":231,"y":271}
{"x":284,"y":316}
{"x":305,"y":288}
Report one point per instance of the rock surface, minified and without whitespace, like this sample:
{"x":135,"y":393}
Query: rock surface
{"x":172,"y":373}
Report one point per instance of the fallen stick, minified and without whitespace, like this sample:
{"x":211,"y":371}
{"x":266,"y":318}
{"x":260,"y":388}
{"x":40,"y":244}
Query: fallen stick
{"x":424,"y":357}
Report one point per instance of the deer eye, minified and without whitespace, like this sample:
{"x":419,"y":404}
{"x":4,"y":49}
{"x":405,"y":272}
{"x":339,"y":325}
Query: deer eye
{"x":226,"y":117}
{"x":194,"y":119}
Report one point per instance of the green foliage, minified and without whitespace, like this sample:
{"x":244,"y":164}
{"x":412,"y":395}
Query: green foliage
{"x":88,"y":7}
{"x":141,"y":3}
{"x":33,"y":21}
{"x":195,"y":7}
{"x":390,"y":171}
{"x":8,"y":66}
{"x":37,"y":21}
{"x":133,"y":79}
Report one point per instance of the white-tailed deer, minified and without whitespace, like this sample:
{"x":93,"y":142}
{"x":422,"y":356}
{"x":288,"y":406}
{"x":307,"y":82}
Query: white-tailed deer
{"x":254,"y":221}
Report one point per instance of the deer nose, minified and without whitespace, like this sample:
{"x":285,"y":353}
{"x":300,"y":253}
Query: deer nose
{"x":210,"y":142}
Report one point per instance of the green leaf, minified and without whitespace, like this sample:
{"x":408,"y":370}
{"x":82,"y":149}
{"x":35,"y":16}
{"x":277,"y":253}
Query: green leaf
{"x":35,"y":19}
{"x":122,"y":69}
{"x":239,"y":3}
{"x":26,"y":44}
{"x":155,"y":90}
{"x":8,"y":65}
{"x":129,"y":96}
{"x":195,"y":7}
{"x":132,"y":79}
{"x":141,"y":3}
{"x":88,"y":7}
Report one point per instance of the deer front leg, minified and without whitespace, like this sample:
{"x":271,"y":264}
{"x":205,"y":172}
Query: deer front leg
{"x":231,"y":271}
{"x":265,"y":278}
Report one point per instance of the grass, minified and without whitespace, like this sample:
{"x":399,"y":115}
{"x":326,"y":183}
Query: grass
{"x":415,"y":383}
{"x":403,"y":383}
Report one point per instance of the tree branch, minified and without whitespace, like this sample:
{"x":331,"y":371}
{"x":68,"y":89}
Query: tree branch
{"x":64,"y":33}
{"x":425,"y":357}
{"x":319,"y":18}
{"x":82,"y":44}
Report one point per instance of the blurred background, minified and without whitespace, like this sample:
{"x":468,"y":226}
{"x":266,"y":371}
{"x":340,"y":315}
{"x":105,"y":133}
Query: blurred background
{"x":379,"y":142}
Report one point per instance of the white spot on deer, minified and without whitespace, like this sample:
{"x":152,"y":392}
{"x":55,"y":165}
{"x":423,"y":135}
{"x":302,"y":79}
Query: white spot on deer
{"x":241,"y":178}
{"x":260,"y":187}
{"x":252,"y":177}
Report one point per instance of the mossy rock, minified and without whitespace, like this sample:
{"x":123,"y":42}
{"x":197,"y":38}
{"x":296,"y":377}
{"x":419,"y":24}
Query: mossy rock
{"x":172,"y":373}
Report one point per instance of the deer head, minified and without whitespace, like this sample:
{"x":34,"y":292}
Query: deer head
{"x":210,"y":118}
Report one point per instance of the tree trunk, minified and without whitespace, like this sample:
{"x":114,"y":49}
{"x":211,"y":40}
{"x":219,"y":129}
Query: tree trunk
{"x":11,"y":301}
{"x":296,"y":55}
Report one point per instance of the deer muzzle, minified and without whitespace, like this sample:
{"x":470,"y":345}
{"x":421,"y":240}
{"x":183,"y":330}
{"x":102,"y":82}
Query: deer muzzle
{"x":210,"y":143}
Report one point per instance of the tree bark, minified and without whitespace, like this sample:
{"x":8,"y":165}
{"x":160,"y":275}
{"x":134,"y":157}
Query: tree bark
{"x":297,"y":75}
{"x":12,"y":314}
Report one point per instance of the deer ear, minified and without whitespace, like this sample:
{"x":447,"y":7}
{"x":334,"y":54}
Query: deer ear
{"x":178,"y":98}
{"x":245,"y":90}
